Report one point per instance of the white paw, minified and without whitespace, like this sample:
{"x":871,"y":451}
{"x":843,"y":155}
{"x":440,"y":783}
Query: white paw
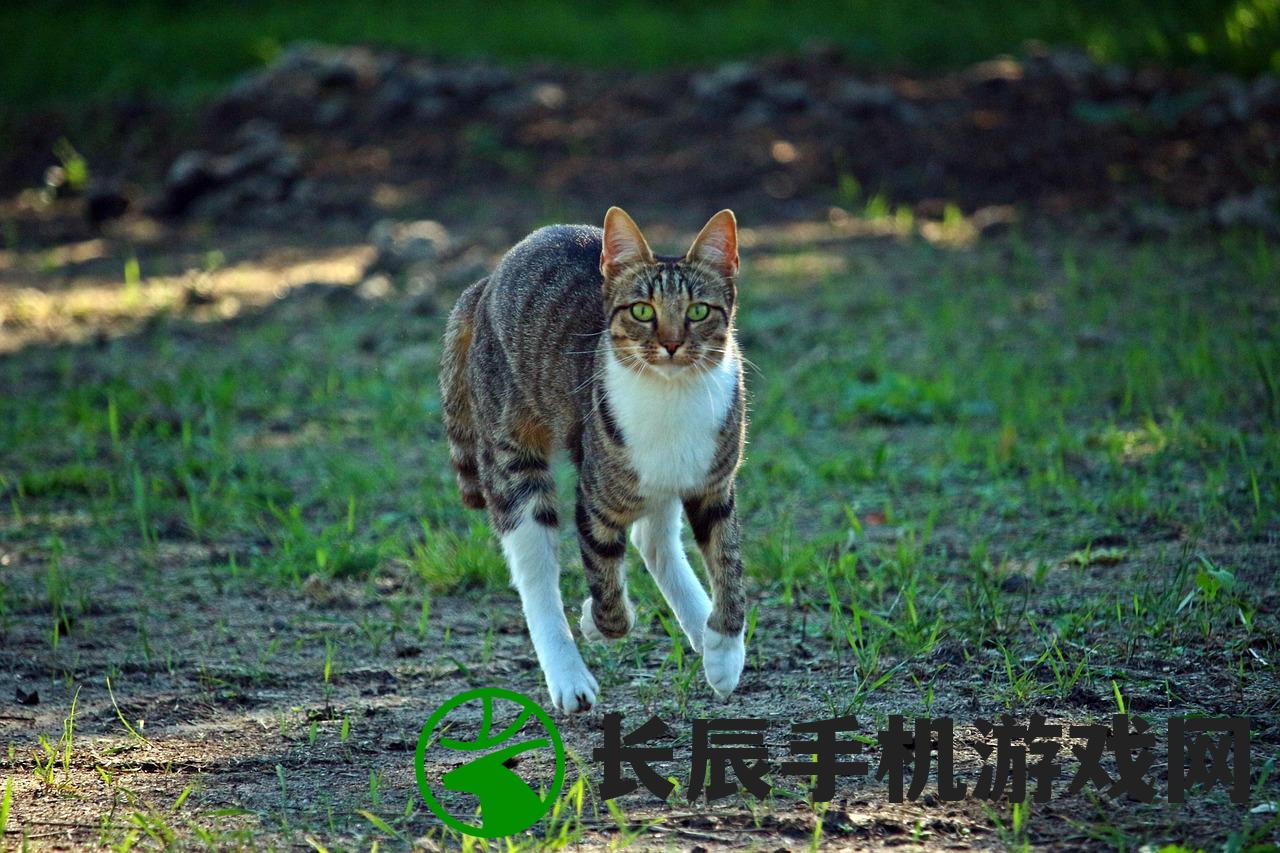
{"x":572,"y":687}
{"x":587,"y":624}
{"x":722,"y":658}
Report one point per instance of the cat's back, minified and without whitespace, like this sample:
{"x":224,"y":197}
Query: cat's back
{"x":550,"y":276}
{"x":539,"y":318}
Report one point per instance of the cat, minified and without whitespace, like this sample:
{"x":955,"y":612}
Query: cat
{"x":583,"y":339}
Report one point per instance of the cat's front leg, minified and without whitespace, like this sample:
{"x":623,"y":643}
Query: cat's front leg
{"x":531,"y":550}
{"x":714,"y":519}
{"x":607,"y":613}
{"x":657,"y":536}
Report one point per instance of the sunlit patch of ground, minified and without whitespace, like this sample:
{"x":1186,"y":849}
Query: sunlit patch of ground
{"x":42,"y":302}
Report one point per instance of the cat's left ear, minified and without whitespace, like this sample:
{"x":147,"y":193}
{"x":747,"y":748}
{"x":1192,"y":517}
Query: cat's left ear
{"x":622,"y":244}
{"x":717,"y":244}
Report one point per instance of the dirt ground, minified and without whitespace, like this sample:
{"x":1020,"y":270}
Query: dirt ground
{"x":219,"y":704}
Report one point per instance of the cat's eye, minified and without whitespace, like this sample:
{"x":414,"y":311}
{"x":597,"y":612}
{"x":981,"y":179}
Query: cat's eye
{"x":642,"y":311}
{"x":698,"y":311}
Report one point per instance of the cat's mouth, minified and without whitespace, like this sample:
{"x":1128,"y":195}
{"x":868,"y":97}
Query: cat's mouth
{"x":668,"y":368}
{"x":672,"y":366}
{"x":660,"y":363}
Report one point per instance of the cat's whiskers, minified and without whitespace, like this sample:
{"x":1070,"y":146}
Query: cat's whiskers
{"x":624,"y":362}
{"x":705,"y":376}
{"x":603,"y":366}
{"x":746,"y":362}
{"x":597,"y":374}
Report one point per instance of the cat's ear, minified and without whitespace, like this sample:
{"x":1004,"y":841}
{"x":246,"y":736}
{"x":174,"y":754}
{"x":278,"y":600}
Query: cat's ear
{"x":623,"y":243}
{"x":717,"y":244}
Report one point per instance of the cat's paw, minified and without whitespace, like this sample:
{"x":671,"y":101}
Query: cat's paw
{"x":723,"y":656}
{"x":587,"y":624}
{"x":591,"y":631}
{"x":572,"y":687}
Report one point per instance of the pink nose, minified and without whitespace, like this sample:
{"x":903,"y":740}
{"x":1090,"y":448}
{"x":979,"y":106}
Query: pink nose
{"x":671,"y":346}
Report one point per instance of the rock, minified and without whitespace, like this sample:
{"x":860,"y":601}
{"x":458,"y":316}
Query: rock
{"x":283,"y":165}
{"x":1115,"y":78}
{"x":190,"y":175}
{"x":332,"y":112}
{"x":1073,"y":68}
{"x":859,"y":97}
{"x":431,"y":107}
{"x":908,"y":113}
{"x":549,"y":95}
{"x":336,"y":72}
{"x":523,"y":103}
{"x":756,"y":114}
{"x":403,"y":245}
{"x":1234,"y":95}
{"x":788,"y":96}
{"x":1149,"y":220}
{"x":394,"y":100}
{"x":727,"y":86}
{"x":1001,"y":70}
{"x":473,"y":84}
{"x":105,"y":201}
{"x":1014,"y":583}
{"x":1265,"y":92}
{"x":260,"y":171}
{"x":423,"y":80}
{"x":1258,"y":209}
{"x":259,"y":146}
{"x":377,"y":286}
{"x":260,"y":134}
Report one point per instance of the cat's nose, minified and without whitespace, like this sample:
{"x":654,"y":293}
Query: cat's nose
{"x":671,"y":346}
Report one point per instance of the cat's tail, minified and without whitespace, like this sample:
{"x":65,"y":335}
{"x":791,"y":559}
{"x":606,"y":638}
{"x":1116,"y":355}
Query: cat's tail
{"x":455,"y":395}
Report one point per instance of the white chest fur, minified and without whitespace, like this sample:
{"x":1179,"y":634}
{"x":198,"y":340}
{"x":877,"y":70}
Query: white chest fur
{"x":671,"y":426}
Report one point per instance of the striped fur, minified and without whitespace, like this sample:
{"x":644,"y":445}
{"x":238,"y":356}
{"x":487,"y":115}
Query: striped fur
{"x":548,"y":353}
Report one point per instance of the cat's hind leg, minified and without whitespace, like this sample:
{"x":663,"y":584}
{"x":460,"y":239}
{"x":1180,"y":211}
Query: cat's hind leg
{"x":455,"y":396}
{"x":521,"y":496}
{"x":657,"y":536}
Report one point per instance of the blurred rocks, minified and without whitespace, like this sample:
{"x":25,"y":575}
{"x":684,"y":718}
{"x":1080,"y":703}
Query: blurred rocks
{"x":104,"y":201}
{"x":729,"y":86}
{"x":411,"y":257}
{"x":1259,"y":209}
{"x":1053,"y":130}
{"x":313,"y":86}
{"x":403,"y":246}
{"x":858,"y":96}
{"x":258,"y":171}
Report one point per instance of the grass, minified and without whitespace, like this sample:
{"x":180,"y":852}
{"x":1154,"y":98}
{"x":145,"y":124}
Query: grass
{"x":1044,"y":465}
{"x":68,"y":53}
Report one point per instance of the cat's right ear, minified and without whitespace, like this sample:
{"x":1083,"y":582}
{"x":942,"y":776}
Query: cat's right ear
{"x":623,"y":244}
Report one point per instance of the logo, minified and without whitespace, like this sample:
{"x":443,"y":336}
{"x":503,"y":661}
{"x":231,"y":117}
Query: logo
{"x":477,"y":742}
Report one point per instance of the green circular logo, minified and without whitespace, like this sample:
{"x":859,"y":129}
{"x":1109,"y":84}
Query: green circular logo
{"x":491,"y":741}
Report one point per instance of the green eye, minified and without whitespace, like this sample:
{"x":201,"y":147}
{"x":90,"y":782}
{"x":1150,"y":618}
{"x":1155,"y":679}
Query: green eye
{"x":698,"y":311}
{"x":642,"y":311}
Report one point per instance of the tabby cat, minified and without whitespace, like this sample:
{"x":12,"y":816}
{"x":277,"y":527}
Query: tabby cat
{"x":582,"y":338}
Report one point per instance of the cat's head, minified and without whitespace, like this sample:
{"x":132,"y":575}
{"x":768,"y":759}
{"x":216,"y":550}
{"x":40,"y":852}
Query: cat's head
{"x":670,"y":316}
